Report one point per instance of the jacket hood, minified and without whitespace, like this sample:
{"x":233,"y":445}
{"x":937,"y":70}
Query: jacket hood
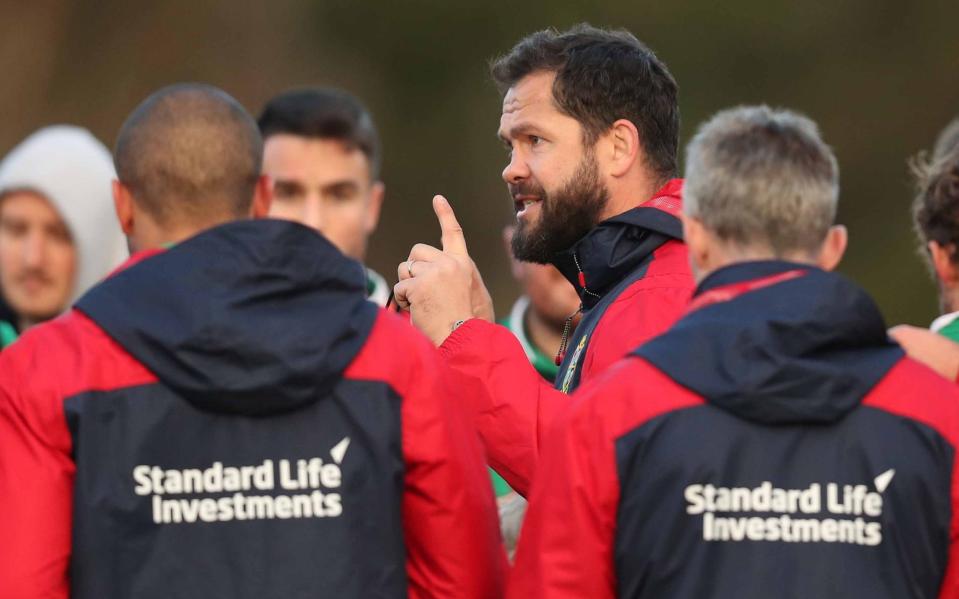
{"x":777,"y":342}
{"x":616,"y":246}
{"x":70,"y":168}
{"x":251,"y":317}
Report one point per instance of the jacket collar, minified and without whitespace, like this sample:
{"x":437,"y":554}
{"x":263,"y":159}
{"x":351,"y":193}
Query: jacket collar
{"x":777,"y":342}
{"x":251,"y":317}
{"x":612,"y":249}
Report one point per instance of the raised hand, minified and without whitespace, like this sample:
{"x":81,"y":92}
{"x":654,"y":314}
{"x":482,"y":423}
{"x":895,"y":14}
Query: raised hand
{"x":442,"y":286}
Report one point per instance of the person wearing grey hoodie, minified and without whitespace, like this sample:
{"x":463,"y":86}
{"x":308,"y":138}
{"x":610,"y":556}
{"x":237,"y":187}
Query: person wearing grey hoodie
{"x":58,"y":232}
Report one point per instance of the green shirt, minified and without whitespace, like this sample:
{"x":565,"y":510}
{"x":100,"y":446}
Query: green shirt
{"x":8,"y":334}
{"x":947,"y":325}
{"x":377,"y":289}
{"x":545,"y":365}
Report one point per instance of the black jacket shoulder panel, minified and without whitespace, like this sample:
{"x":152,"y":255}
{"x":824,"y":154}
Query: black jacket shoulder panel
{"x":251,"y":317}
{"x":806,"y":349}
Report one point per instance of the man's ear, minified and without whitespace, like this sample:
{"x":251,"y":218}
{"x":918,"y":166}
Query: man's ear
{"x":377,"y":195}
{"x":833,"y":247}
{"x":623,"y":147}
{"x":697,"y":243}
{"x":262,"y":197}
{"x":123,"y":207}
{"x":941,"y":256}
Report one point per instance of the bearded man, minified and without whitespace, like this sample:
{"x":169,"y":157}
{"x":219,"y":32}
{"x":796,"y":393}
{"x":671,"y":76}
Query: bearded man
{"x":591,"y":123}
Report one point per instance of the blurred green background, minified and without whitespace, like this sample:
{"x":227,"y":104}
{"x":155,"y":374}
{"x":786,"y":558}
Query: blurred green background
{"x":881,"y":77}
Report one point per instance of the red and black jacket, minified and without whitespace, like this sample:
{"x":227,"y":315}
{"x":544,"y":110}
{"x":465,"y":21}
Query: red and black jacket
{"x":774,"y":442}
{"x":231,"y":418}
{"x":632,"y":274}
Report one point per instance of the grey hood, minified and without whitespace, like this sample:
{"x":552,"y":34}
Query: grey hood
{"x":70,"y":168}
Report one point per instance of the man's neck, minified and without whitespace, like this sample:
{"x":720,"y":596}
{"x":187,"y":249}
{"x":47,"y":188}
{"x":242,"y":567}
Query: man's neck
{"x":163,"y":238}
{"x":543,"y":335}
{"x":627,"y":194}
{"x":949,"y":300}
{"x":24,"y":323}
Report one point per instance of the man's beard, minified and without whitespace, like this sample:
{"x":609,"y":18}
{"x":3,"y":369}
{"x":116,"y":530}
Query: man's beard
{"x":565,"y":216}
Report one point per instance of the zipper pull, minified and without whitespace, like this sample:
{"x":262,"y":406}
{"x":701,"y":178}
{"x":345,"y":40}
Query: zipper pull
{"x":581,"y":278}
{"x":561,"y":353}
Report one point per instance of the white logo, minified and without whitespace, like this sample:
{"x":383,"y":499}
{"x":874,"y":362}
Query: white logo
{"x":853,"y":512}
{"x":317,"y":481}
{"x":882,"y":481}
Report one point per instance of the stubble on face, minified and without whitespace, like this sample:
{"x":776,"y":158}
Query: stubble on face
{"x":37,"y":257}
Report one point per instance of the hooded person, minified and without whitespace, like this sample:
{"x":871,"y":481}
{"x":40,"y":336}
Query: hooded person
{"x":227,"y":415}
{"x":774,"y":442}
{"x":58,"y":232}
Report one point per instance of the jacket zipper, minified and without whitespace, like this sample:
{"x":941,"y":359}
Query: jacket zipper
{"x":564,"y":342}
{"x":561,"y":354}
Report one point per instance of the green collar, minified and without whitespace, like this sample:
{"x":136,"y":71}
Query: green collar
{"x":8,"y":334}
{"x":516,"y":323}
{"x":377,"y":289}
{"x":947,"y":325}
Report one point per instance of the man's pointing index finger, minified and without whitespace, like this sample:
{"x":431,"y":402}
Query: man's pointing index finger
{"x":452,"y":233}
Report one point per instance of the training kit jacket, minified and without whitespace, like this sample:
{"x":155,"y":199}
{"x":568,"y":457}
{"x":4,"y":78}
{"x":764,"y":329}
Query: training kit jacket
{"x":231,"y":418}
{"x":633,"y":277}
{"x":773,"y":443}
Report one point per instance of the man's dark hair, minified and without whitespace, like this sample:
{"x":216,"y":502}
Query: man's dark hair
{"x":935,"y":209}
{"x":603,"y":76}
{"x":190,"y":153}
{"x":324,"y":113}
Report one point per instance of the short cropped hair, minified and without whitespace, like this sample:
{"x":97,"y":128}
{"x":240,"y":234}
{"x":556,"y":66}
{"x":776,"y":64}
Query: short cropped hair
{"x":189,"y":153}
{"x":758,"y":177}
{"x":603,"y":76}
{"x":324,"y":113}
{"x":935,"y":209}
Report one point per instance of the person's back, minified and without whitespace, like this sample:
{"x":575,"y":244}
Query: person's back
{"x":231,"y":418}
{"x":774,"y":442}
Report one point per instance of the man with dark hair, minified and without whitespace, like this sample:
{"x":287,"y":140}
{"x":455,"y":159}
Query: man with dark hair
{"x":774,"y":442}
{"x":230,"y":417}
{"x":322,"y":151}
{"x":935,"y":212}
{"x":936,"y":215}
{"x":591,"y":124}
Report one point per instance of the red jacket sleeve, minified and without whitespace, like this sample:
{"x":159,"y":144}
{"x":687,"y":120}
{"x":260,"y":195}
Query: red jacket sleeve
{"x":449,"y":513}
{"x":36,"y":482}
{"x":566,"y":546}
{"x":512,"y":406}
